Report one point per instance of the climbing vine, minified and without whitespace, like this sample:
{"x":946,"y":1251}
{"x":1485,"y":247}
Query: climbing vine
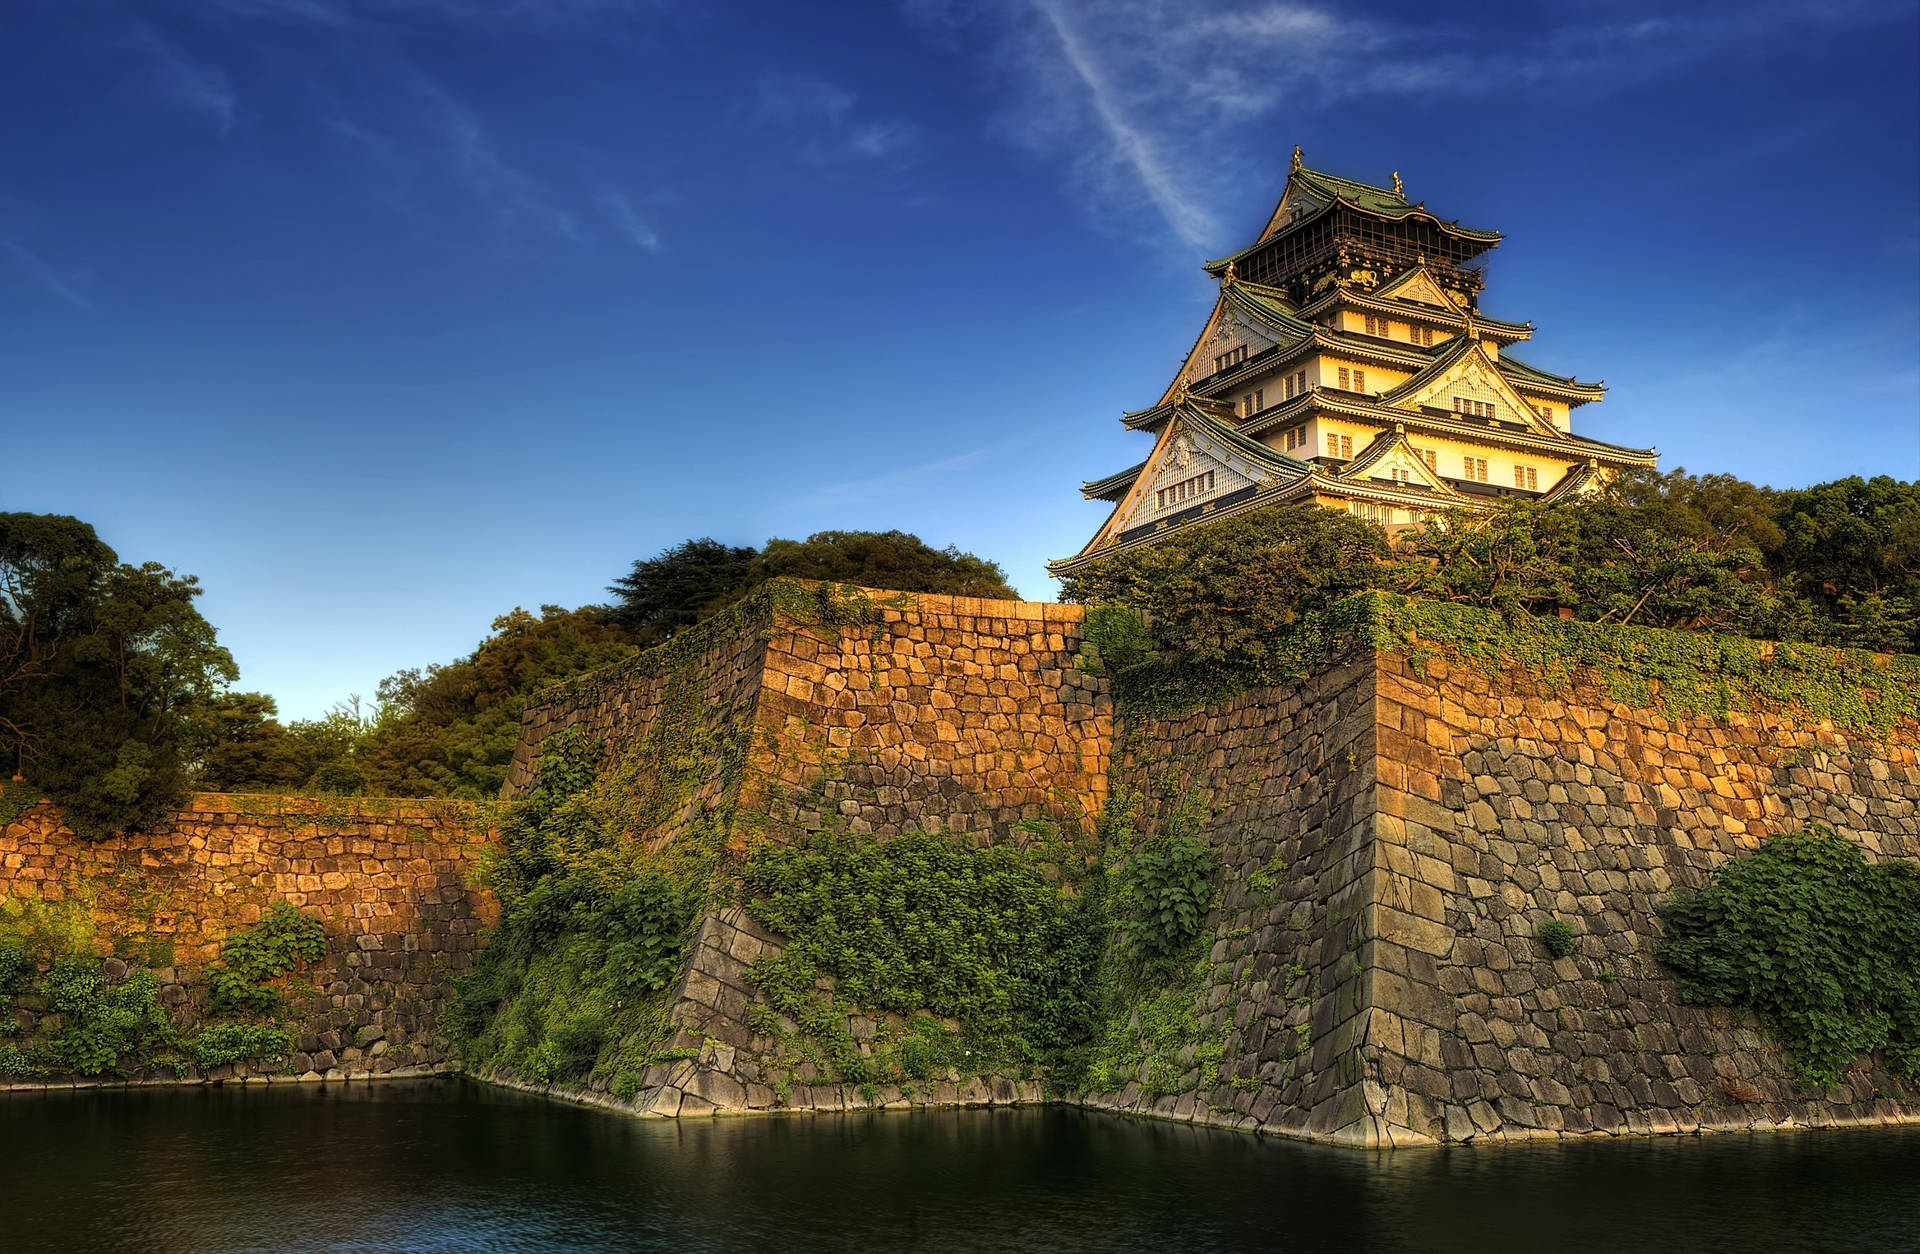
{"x":1821,"y":943}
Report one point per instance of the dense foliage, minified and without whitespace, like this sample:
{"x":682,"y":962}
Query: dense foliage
{"x":594,"y":926}
{"x":922,"y":922}
{"x":1838,"y":564}
{"x":76,"y":1020}
{"x":691,"y":581}
{"x":277,"y":944}
{"x":107,"y":673}
{"x":1821,"y":943}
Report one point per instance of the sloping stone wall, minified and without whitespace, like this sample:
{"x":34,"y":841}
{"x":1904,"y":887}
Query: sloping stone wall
{"x":389,"y":881}
{"x":944,"y":713}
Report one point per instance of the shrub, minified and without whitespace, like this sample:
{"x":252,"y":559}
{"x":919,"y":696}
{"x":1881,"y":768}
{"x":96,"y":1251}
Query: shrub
{"x":1172,"y":885}
{"x":99,"y":1024}
{"x":233,"y":1042}
{"x":266,"y":951}
{"x":1822,"y":944}
{"x":16,"y":970}
{"x":1556,"y":937}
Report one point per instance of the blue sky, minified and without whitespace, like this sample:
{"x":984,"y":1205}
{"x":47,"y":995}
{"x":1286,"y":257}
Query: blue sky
{"x":384,"y":316}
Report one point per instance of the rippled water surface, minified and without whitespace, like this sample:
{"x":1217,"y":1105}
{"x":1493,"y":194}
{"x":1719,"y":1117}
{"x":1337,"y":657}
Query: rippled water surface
{"x":445,"y":1165}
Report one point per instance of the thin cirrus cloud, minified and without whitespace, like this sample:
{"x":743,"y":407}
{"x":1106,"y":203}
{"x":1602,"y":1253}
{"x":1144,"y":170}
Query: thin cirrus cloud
{"x":823,"y":118}
{"x":50,"y":280}
{"x":183,"y":81}
{"x":1116,"y":91}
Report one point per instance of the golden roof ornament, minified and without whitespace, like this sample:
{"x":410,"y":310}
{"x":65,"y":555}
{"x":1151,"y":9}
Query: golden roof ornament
{"x":1296,"y":159}
{"x":1229,"y":275}
{"x":1397,"y":189}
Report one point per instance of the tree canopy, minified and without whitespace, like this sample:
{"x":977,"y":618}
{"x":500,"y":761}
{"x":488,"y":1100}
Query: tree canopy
{"x":1838,"y":563}
{"x":108,"y":673}
{"x":678,"y":587}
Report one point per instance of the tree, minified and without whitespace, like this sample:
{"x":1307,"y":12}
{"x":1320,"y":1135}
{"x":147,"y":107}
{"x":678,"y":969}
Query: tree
{"x":109,"y":675}
{"x":1220,"y":592}
{"x":693,"y":580}
{"x":450,"y":731}
{"x":895,"y":560}
{"x":249,"y":750}
{"x":679,"y":586}
{"x":1850,"y":550}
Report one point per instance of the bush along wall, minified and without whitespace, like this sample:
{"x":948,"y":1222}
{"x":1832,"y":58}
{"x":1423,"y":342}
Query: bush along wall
{"x":1821,"y":944}
{"x":77,"y":1015}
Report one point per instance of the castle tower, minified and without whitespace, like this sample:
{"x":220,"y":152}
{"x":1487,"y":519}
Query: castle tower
{"x":1346,"y":363}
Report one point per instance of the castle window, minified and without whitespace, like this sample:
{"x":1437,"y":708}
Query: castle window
{"x":1253,"y":402}
{"x":1379,"y":327}
{"x":1359,"y":380}
{"x":1545,"y":411}
{"x":1472,"y":408}
{"x":1422,"y":336}
{"x":1232,"y":357}
{"x":1371,"y":512}
{"x":1476,"y":469}
{"x":1400,"y":474}
{"x":1185,"y":490}
{"x":1300,"y":382}
{"x":1343,"y":379}
{"x":1286,"y":388}
{"x":1296,"y":438}
{"x":1428,"y":456}
{"x":1339,"y":445}
{"x":1526,"y":477}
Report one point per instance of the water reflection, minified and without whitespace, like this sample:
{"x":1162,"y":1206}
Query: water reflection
{"x":446,"y":1166}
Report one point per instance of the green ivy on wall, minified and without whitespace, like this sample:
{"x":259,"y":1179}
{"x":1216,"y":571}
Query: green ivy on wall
{"x":1821,"y":943}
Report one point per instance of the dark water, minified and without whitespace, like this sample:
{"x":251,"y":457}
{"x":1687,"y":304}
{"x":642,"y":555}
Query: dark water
{"x":443,"y":1165}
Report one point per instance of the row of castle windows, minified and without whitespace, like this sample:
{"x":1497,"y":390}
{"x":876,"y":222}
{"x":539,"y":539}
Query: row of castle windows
{"x":1382,"y":329}
{"x":1358,"y":379}
{"x":1232,"y":357}
{"x":1185,"y":490}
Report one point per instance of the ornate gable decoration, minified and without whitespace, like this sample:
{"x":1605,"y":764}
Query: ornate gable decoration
{"x":1416,"y":284}
{"x":1392,"y":458}
{"x":1474,"y":374}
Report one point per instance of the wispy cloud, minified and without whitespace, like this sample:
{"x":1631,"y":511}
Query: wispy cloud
{"x":1132,"y":96}
{"x":618,"y":207}
{"x":513,"y":193}
{"x":822,"y":117}
{"x":37,"y":269}
{"x":188,"y":83}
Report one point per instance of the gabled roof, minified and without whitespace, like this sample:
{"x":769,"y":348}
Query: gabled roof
{"x":1532,"y":376}
{"x":1393,"y":446}
{"x":1114,"y":486}
{"x":1464,"y":355}
{"x":1584,"y":477}
{"x":1416,"y":284}
{"x":1310,"y":193}
{"x":1264,"y":466}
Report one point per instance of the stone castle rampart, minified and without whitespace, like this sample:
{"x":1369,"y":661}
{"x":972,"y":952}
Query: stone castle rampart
{"x":1393,"y":829}
{"x":389,"y":882}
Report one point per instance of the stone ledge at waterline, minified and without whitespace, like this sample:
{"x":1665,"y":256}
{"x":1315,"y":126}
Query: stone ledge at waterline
{"x":388,"y":881}
{"x":1393,"y":829}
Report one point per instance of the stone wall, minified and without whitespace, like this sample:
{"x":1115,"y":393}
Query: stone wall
{"x":942,"y":713}
{"x":389,"y":881}
{"x":1389,"y":989}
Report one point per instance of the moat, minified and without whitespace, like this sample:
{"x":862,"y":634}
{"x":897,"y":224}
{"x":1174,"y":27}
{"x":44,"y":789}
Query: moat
{"x":453,"y":1166}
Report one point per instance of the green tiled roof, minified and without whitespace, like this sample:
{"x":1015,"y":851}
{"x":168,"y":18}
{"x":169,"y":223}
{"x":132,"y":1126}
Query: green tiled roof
{"x":1514,"y":367}
{"x":1381,"y":200}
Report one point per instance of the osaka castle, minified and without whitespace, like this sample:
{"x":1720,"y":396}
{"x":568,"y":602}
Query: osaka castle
{"x":1347,"y":363}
